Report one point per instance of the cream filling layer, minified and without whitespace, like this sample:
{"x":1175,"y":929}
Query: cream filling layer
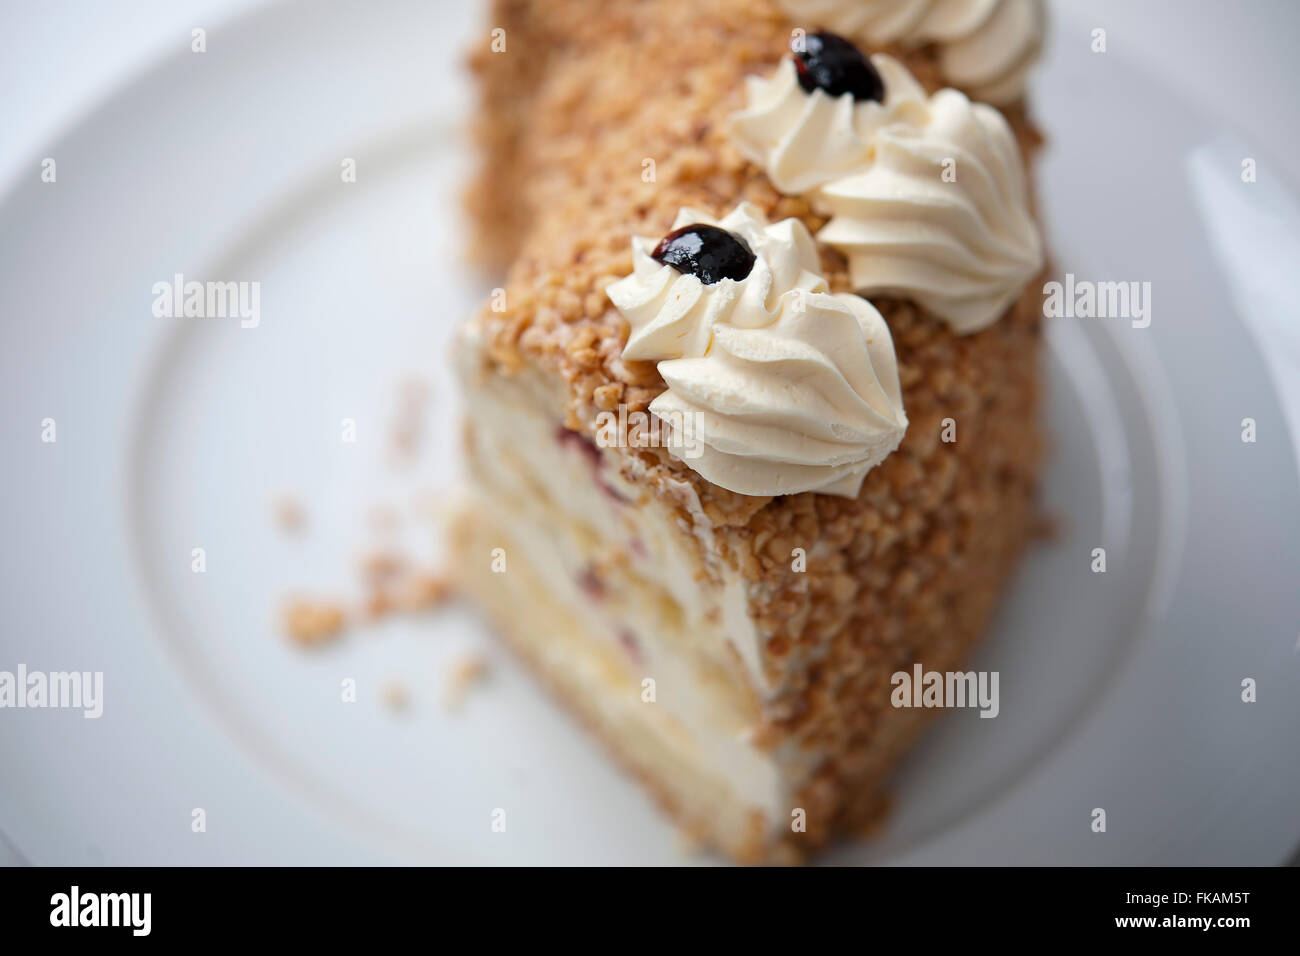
{"x":637,"y":573}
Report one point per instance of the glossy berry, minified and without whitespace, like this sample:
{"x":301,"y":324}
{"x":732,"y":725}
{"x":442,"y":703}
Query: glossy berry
{"x":833,"y":64}
{"x":706,"y":252}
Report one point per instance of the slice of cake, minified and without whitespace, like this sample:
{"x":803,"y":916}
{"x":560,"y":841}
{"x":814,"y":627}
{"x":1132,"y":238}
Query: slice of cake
{"x":752,"y":423}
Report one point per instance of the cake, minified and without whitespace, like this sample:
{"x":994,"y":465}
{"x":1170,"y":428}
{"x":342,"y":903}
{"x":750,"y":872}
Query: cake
{"x":752,"y":420}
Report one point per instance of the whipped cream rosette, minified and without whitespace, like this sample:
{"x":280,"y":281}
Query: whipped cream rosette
{"x":963,"y":248}
{"x":783,"y":386}
{"x":672,"y":314}
{"x":986,"y":47}
{"x":803,"y":139}
{"x":936,"y":208}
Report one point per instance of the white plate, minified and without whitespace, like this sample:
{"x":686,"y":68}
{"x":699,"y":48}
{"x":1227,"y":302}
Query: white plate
{"x":1119,"y":690}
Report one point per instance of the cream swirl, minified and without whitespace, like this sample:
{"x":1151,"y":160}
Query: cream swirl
{"x":934,"y":207}
{"x":986,"y":47}
{"x":806,"y":139}
{"x":672,"y":314}
{"x":775,"y":385}
{"x":962,"y":247}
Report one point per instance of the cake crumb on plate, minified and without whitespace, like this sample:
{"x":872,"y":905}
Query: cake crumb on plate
{"x":468,"y":670}
{"x":395,"y":696}
{"x":310,"y":622}
{"x":288,"y":513}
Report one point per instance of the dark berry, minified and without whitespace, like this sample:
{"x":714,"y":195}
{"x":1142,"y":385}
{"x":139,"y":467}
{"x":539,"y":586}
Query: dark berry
{"x":831,"y":63}
{"x":706,"y":252}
